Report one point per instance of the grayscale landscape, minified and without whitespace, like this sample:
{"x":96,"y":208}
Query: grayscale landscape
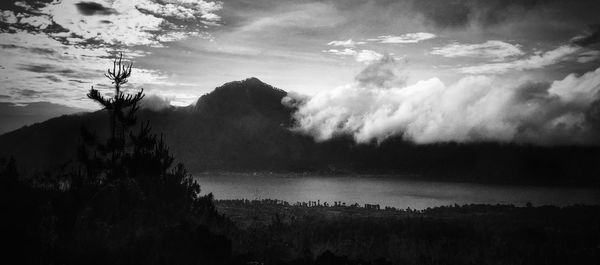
{"x":317,"y":132}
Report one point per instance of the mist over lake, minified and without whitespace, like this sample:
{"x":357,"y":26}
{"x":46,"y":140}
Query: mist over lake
{"x":385,"y":190}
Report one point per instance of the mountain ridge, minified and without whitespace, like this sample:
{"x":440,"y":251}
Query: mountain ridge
{"x":242,"y":126}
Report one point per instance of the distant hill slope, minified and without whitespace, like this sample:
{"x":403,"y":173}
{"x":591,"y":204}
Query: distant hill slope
{"x":242,"y":126}
{"x":15,"y":116}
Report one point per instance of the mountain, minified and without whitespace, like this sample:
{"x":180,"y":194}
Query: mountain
{"x":242,"y":126}
{"x":235,"y":127}
{"x":14,"y":116}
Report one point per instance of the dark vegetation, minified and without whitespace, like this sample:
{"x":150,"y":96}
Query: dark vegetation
{"x":123,"y":200}
{"x":16,"y":116}
{"x":242,"y":126}
{"x":468,"y":234}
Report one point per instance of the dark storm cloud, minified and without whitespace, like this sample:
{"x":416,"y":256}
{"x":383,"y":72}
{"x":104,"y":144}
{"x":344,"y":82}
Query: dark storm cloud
{"x":93,"y":8}
{"x":591,"y":37}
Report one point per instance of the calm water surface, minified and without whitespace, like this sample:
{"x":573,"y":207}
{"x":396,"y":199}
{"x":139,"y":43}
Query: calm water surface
{"x":386,"y":191}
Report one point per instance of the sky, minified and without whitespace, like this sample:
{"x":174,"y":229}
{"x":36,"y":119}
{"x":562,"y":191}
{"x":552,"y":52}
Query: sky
{"x":429,"y":70}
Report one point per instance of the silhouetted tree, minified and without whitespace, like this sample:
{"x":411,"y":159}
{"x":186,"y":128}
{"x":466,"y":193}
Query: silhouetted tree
{"x":133,"y":198}
{"x":121,"y":107}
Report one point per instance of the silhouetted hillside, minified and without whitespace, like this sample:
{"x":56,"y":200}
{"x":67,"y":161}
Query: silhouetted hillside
{"x":242,"y":98}
{"x":242,"y":126}
{"x":14,"y":116}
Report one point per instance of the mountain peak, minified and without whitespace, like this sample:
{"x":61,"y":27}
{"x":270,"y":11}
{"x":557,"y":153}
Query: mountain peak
{"x":248,"y":83}
{"x":246,"y":95}
{"x":252,"y":80}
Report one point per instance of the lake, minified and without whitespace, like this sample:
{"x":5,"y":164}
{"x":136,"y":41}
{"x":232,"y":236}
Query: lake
{"x":385,"y":190}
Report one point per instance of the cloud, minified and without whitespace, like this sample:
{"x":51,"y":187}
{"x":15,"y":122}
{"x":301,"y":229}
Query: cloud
{"x":463,"y":13}
{"x":578,"y":89}
{"x":592,"y":36}
{"x":155,"y":102}
{"x":58,"y":49}
{"x":47,"y":68}
{"x":361,"y":56}
{"x":576,"y":50}
{"x":345,"y":43}
{"x":52,"y":78}
{"x":383,"y":72}
{"x":475,"y":108}
{"x":532,"y":62}
{"x":588,"y":56}
{"x":38,"y":22}
{"x":367,"y":56}
{"x":185,"y":10}
{"x":26,"y":92}
{"x":405,"y":38}
{"x":48,"y":59}
{"x":8,"y":16}
{"x":343,"y":52}
{"x":493,"y":49}
{"x":93,"y":8}
{"x":129,"y":27}
{"x":115,"y":23}
{"x":303,"y":16}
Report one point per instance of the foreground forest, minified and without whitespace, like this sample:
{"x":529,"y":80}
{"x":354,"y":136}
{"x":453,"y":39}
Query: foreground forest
{"x":127,"y":222}
{"x":273,"y":231}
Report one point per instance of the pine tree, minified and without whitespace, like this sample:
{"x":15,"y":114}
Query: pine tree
{"x":122,"y":108}
{"x":128,"y":202}
{"x":137,"y":159}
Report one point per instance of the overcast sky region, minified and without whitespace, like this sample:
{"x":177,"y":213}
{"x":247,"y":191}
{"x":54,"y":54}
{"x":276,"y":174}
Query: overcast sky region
{"x":431,"y":70}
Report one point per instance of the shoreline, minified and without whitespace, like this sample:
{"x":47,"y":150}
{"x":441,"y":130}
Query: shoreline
{"x":398,"y":176}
